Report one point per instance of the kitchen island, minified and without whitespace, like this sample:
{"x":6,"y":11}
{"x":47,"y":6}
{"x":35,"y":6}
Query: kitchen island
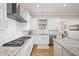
{"x":66,"y":47}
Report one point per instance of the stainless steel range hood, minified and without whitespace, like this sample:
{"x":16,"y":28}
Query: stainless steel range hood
{"x":13,"y":12}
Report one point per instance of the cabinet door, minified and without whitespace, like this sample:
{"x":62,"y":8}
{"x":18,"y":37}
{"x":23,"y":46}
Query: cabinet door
{"x":57,"y":49}
{"x":39,"y":39}
{"x":26,"y":50}
{"x":31,"y":44}
{"x":66,"y":53}
{"x":45,"y":39}
{"x":22,"y":52}
{"x":42,"y":39}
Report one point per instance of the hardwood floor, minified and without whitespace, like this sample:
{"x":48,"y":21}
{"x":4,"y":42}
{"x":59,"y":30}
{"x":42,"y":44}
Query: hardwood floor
{"x":42,"y":50}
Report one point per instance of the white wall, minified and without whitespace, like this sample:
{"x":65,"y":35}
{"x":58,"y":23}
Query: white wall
{"x":33,"y":24}
{"x":13,"y":31}
{"x":73,"y":34}
{"x":53,"y":23}
{"x":70,"y":21}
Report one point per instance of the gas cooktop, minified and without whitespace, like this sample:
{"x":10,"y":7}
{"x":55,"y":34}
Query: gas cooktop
{"x":18,"y":42}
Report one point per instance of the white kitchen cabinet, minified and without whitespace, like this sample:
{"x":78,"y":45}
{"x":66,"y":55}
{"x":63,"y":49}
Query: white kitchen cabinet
{"x":24,"y":51}
{"x":45,"y":39}
{"x":42,"y":39}
{"x":57,"y":49}
{"x":31,"y":44}
{"x":61,"y":51}
{"x":3,"y":16}
{"x":37,"y":39}
{"x":66,"y":53}
{"x":27,"y":49}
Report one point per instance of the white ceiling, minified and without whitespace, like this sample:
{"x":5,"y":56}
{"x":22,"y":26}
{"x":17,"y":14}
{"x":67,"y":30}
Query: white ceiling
{"x":48,"y":9}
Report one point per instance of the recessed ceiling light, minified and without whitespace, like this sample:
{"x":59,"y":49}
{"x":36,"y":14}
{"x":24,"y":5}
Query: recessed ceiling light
{"x":37,"y":5}
{"x":64,"y":5}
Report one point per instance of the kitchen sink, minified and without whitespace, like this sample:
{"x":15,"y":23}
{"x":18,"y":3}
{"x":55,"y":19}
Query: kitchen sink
{"x":18,"y":42}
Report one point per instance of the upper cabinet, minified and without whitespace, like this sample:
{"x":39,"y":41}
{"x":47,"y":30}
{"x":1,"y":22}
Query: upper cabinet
{"x":2,"y":16}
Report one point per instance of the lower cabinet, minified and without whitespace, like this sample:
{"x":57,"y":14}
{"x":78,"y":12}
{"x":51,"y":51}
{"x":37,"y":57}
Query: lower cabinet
{"x":60,"y":51}
{"x":42,"y":39}
{"x":57,"y":49}
{"x":26,"y":50}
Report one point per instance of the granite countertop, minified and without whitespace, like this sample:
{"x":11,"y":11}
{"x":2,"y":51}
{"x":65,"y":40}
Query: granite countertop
{"x":9,"y":51}
{"x":12,"y":51}
{"x":69,"y":44}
